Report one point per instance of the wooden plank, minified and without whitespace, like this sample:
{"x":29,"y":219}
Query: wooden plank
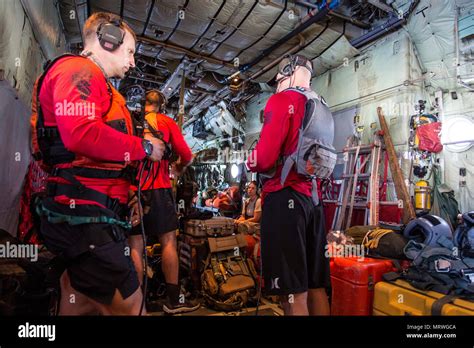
{"x":398,"y":180}
{"x":374,"y":184}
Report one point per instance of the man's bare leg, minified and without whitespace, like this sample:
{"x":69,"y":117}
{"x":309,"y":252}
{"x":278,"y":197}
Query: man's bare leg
{"x":170,"y":263}
{"x":295,"y":304}
{"x":120,"y":306}
{"x":73,"y":302}
{"x":318,"y":302}
{"x":136,"y":253}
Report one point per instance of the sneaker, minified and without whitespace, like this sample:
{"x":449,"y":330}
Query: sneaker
{"x":179,"y":307}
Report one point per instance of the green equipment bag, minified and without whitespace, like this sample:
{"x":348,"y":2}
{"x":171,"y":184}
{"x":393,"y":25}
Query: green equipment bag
{"x":228,"y":281}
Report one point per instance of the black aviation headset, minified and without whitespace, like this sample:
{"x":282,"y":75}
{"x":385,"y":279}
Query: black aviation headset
{"x":164,"y":101}
{"x":111,"y":35}
{"x":288,"y":65}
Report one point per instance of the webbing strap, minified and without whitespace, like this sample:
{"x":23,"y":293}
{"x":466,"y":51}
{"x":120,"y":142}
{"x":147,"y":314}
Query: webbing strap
{"x":372,"y":237}
{"x":314,"y":191}
{"x":78,"y":191}
{"x":437,"y":307}
{"x":56,"y":218}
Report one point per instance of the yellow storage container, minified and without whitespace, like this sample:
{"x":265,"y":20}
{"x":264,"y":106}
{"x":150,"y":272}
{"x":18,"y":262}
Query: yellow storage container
{"x":422,"y":195}
{"x":400,"y":298}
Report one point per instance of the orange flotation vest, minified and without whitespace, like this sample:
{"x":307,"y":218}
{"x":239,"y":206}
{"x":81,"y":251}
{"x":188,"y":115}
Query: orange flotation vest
{"x":48,"y":148}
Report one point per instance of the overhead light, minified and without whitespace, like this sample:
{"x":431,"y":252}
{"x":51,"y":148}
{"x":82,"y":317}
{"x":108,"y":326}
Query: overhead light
{"x":235,"y":81}
{"x":457,"y":133}
{"x":234,"y":170}
{"x":169,"y":88}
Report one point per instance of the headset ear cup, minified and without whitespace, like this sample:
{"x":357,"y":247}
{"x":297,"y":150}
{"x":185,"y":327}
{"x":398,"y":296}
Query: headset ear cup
{"x":110,"y":36}
{"x":285,"y":67}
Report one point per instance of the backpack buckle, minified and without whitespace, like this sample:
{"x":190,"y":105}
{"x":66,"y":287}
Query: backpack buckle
{"x":55,"y":172}
{"x":442,"y":266}
{"x":468,"y":274}
{"x":40,"y":132}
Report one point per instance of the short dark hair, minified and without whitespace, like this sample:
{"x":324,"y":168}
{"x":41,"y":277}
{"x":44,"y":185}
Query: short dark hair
{"x":98,"y":18}
{"x":155,"y":98}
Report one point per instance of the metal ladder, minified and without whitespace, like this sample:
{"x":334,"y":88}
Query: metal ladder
{"x":360,"y":183}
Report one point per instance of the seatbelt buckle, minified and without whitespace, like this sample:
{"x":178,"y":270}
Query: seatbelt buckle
{"x":442,"y":266}
{"x":40,"y":132}
{"x":55,"y":171}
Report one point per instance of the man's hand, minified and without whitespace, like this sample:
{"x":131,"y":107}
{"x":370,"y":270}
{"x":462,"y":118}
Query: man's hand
{"x":158,"y":147}
{"x":177,"y":169}
{"x":136,"y":209}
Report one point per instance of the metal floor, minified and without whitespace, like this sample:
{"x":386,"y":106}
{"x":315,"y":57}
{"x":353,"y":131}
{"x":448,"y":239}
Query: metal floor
{"x":266,"y":308}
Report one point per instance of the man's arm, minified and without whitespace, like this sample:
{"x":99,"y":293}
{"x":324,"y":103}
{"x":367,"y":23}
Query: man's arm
{"x":83,"y":131}
{"x":180,"y":147}
{"x":273,"y":134}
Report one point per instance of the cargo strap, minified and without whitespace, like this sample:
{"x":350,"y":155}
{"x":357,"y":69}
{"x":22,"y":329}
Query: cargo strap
{"x":438,"y":305}
{"x":56,"y":218}
{"x":391,"y":276}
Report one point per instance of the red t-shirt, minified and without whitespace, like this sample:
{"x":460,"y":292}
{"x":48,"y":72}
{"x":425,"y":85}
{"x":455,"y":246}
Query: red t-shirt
{"x":171,"y":134}
{"x":283,"y":115}
{"x":73,"y":81}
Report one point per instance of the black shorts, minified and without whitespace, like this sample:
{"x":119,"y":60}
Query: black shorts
{"x":97,"y":256}
{"x":293,"y":242}
{"x":162,"y":217}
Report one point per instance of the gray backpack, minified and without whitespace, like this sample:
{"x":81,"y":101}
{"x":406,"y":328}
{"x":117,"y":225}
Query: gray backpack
{"x":315,"y":156}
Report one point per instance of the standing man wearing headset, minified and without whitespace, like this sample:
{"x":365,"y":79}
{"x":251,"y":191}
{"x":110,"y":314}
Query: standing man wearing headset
{"x":83,"y":132}
{"x":292,"y":232}
{"x":161,"y":222}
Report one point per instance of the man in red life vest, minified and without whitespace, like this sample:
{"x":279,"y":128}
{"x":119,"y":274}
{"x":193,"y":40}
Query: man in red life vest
{"x":83,"y":133}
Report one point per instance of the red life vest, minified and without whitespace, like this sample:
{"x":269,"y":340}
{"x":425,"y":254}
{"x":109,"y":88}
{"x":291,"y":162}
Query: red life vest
{"x":44,"y":138}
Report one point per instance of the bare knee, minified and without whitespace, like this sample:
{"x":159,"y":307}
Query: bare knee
{"x":120,"y":306}
{"x":295,"y":304}
{"x":168,"y":240}
{"x":318,"y":302}
{"x":73,"y":302}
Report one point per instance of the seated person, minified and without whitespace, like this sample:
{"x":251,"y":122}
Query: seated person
{"x":252,"y":207}
{"x":226,"y":201}
{"x":209,"y":195}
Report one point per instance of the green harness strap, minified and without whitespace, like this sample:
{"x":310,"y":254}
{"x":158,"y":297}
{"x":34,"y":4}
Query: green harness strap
{"x":56,"y":218}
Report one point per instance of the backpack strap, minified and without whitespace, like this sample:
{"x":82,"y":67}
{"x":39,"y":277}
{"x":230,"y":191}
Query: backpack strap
{"x":287,"y":165}
{"x":391,"y":276}
{"x":313,"y":106}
